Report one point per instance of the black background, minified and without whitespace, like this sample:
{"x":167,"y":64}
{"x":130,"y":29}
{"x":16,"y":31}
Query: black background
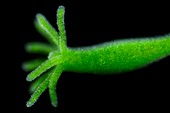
{"x":89,"y":23}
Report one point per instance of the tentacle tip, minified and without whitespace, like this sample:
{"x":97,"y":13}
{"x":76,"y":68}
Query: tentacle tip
{"x":28,"y":79}
{"x":29,"y":104}
{"x":39,"y":15}
{"x":50,"y":55}
{"x":27,"y":47}
{"x":61,"y":7}
{"x":24,"y":67}
{"x":55,"y":104}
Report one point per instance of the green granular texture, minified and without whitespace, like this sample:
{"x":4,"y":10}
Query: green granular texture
{"x":106,"y":58}
{"x":118,"y":56}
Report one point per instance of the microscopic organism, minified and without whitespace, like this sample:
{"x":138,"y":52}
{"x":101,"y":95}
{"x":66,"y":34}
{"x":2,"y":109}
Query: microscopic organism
{"x":113,"y":57}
